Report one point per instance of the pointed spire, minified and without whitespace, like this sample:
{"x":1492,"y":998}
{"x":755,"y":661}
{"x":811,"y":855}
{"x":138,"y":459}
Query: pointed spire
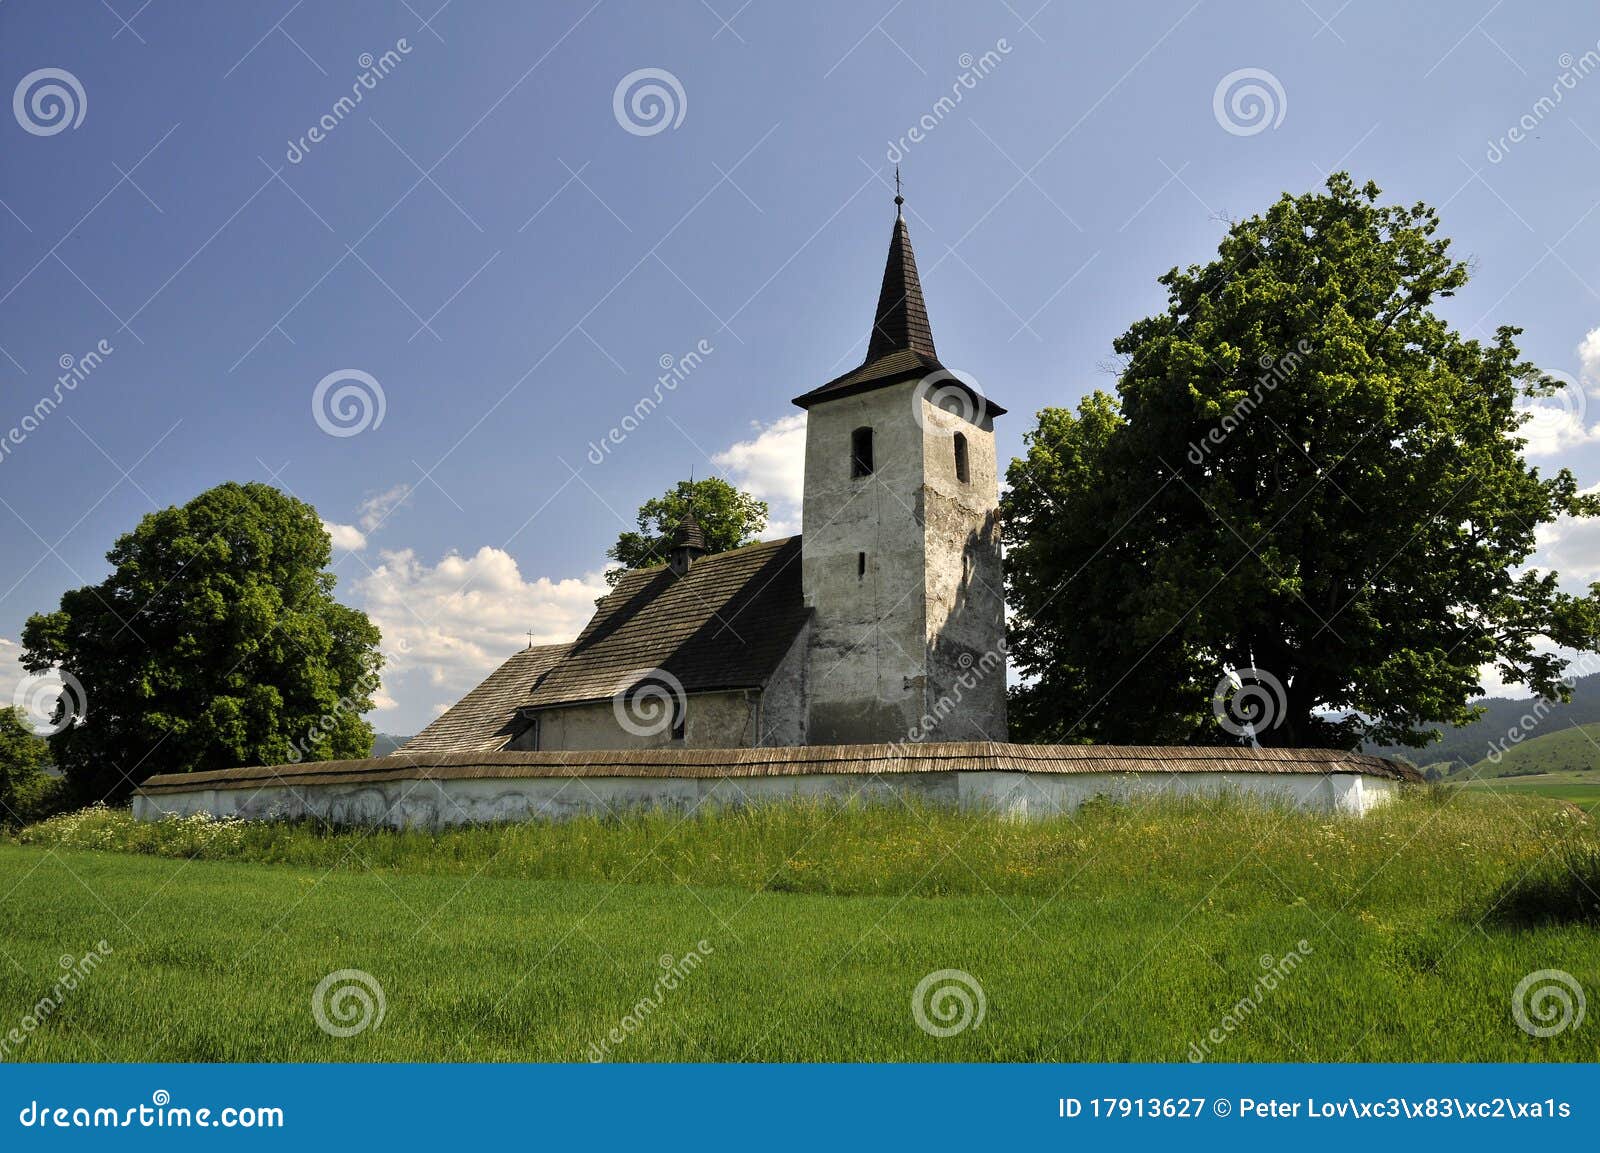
{"x":901,"y":321}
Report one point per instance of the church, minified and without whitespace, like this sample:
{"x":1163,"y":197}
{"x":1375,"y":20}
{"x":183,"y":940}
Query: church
{"x":863,"y":660}
{"x":884,"y":620}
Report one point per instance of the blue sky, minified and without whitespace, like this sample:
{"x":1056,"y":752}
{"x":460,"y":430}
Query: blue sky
{"x":484,"y":238}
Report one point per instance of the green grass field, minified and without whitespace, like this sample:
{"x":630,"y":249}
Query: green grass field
{"x":1125,"y":933}
{"x":1579,"y":788}
{"x":1572,"y":750}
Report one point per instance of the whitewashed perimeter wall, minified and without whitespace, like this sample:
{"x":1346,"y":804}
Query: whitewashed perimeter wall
{"x":435,"y":804}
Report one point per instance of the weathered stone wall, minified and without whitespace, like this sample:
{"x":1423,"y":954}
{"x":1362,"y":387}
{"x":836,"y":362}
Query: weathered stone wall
{"x":783,"y":704}
{"x":913,"y":647}
{"x":439,"y":803}
{"x":712,"y":721}
{"x":966,"y":686}
{"x":869,"y":633}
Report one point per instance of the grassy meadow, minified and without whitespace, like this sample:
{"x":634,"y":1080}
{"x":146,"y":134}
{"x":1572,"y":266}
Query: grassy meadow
{"x":1134,"y":932}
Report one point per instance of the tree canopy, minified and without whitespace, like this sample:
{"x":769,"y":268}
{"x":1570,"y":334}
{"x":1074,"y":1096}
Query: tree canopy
{"x":215,"y":642}
{"x":1305,"y":517}
{"x":23,"y":756}
{"x":728,"y":516}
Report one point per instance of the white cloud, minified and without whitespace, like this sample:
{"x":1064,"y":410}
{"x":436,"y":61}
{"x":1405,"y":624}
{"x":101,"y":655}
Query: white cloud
{"x":346,"y":536}
{"x":448,"y":625}
{"x":1589,"y":355}
{"x":1558,"y":422}
{"x":375,"y":509}
{"x":11,"y":671}
{"x":772,"y":466}
{"x":1570,"y":546}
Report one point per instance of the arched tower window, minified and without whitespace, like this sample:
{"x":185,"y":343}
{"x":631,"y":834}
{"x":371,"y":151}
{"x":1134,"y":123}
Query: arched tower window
{"x":861,"y":452}
{"x":962,"y":473}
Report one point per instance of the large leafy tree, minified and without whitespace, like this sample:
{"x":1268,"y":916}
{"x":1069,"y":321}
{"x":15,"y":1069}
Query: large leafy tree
{"x":728,"y":516}
{"x":23,"y":756}
{"x":215,"y":642}
{"x":1308,"y":484}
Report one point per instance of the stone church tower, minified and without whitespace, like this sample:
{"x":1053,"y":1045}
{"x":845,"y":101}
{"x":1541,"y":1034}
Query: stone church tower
{"x":900,"y":541}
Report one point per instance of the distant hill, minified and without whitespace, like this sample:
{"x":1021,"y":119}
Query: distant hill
{"x":1570,"y":750}
{"x":1467,"y":745}
{"x":385,"y":743}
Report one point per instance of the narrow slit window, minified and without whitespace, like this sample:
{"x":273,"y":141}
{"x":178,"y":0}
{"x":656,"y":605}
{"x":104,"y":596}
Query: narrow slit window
{"x":861,"y":452}
{"x":861,"y":565}
{"x":962,"y":473}
{"x":680,"y":718}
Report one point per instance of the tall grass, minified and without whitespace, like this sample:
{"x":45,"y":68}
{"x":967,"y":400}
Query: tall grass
{"x":1124,"y":932}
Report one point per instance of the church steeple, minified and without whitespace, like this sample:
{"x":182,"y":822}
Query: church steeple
{"x":901,"y":321}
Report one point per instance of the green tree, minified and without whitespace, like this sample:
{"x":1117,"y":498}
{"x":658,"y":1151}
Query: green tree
{"x":215,"y":642}
{"x":1309,"y":479}
{"x":23,"y":756}
{"x":728,"y":516}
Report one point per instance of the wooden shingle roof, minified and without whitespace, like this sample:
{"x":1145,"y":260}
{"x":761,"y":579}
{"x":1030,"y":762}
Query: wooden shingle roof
{"x":723,"y":624}
{"x":486,"y":718}
{"x":901,"y":345}
{"x":933,"y":757}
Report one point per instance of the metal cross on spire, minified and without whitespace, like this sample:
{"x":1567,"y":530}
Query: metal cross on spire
{"x":898,"y":199}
